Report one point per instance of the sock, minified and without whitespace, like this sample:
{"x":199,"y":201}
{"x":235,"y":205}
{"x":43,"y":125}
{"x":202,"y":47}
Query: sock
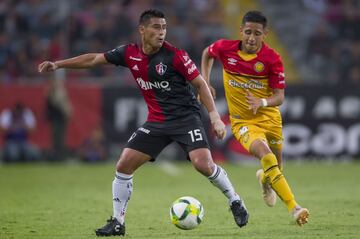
{"x":278,"y":181}
{"x":220,"y":180}
{"x":122,"y":188}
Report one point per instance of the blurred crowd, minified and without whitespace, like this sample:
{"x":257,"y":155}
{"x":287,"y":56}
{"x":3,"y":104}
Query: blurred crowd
{"x":334,"y":47}
{"x":34,"y":30}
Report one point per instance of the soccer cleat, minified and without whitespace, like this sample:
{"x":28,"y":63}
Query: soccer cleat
{"x":112,"y":228}
{"x":239,"y":212}
{"x":301,"y":215}
{"x":268,"y":193}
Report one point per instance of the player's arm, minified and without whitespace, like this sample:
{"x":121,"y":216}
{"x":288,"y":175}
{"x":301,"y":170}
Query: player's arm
{"x":79,"y":62}
{"x":276,"y":83}
{"x":207,"y":100}
{"x":275,"y":100}
{"x":206,"y":66}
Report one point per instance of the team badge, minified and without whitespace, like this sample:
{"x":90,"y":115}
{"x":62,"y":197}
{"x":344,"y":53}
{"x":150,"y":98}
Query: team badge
{"x":259,"y":66}
{"x":244,"y":134}
{"x":161,"y":68}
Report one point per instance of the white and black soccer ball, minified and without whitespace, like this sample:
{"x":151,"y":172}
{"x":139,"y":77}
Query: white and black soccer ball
{"x":186,"y":213}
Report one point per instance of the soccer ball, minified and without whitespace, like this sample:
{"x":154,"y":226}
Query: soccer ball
{"x":186,"y":213}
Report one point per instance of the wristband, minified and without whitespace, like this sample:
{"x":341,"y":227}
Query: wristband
{"x":264,"y":102}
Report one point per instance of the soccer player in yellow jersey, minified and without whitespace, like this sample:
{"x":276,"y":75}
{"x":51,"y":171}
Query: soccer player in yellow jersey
{"x":254,"y":83}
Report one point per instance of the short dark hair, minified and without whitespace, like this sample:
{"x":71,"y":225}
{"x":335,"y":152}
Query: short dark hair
{"x":255,"y":16}
{"x":148,"y":14}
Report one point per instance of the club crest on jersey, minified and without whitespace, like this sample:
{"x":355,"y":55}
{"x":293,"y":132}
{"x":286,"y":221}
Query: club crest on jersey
{"x":259,"y":66}
{"x":161,"y":68}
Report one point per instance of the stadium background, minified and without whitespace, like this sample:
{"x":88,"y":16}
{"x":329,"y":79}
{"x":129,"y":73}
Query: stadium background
{"x":318,"y":40}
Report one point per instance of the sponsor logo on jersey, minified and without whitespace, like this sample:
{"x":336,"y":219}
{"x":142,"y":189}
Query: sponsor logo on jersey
{"x":135,"y":68}
{"x":161,"y":68}
{"x":132,"y":136}
{"x":251,"y":84}
{"x":244,"y":134}
{"x":135,"y":58}
{"x":259,"y":66}
{"x":186,"y":58}
{"x":232,"y":61}
{"x":191,"y":69}
{"x":146,"y":131}
{"x":275,"y":141}
{"x":147,"y":85}
{"x":243,"y":130}
{"x":188,"y":62}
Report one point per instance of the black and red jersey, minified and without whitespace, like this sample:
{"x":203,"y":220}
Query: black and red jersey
{"x":163,"y":78}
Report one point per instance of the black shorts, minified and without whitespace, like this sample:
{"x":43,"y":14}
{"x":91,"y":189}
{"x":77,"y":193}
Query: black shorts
{"x":152,"y":137}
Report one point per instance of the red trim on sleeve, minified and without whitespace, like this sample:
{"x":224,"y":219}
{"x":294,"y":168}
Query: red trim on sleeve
{"x":276,"y":74}
{"x":185,"y":65}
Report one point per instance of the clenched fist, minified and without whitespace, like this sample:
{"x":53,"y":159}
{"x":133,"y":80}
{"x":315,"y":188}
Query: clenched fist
{"x":217,"y":124}
{"x":47,"y":66}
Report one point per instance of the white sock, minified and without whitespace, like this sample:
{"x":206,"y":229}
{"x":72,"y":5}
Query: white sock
{"x":220,"y":180}
{"x":122,"y":188}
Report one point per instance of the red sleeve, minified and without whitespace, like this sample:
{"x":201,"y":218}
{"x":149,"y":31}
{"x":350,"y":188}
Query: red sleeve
{"x":277,"y":75}
{"x":214,"y":49}
{"x":185,"y":65}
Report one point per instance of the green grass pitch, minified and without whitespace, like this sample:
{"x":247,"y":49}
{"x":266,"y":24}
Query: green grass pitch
{"x":70,"y":201}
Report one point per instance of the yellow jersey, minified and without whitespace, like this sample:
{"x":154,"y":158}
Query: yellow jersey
{"x":259,"y":73}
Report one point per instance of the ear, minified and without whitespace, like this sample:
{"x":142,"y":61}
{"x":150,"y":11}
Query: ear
{"x":266,"y":31}
{"x":241,"y":28}
{"x":141,"y":29}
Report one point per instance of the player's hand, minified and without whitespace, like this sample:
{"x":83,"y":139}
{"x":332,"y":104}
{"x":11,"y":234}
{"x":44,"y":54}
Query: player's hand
{"x":217,"y":124}
{"x":254,"y":103}
{"x":47,"y":66}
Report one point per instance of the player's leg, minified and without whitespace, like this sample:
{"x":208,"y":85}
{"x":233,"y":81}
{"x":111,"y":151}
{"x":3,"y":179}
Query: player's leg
{"x":122,"y":188}
{"x":122,"y":185}
{"x":272,"y":172}
{"x":277,"y":180}
{"x":194,"y":142}
{"x":140,"y":148}
{"x":278,"y":154}
{"x":274,"y":138}
{"x":275,"y":143}
{"x":246,"y":134}
{"x":203,"y":163}
{"x":268,"y":193}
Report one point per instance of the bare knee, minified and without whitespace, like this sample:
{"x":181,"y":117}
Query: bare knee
{"x":202,"y":162}
{"x":204,"y":166}
{"x":130,"y":160}
{"x":122,"y":166}
{"x":259,"y":148}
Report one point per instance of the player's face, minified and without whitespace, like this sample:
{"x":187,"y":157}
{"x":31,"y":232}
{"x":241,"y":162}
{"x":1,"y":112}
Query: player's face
{"x":252,"y":35}
{"x":154,"y":32}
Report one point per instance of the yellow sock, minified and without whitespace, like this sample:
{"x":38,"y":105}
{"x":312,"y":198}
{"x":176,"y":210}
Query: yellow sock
{"x":278,"y":181}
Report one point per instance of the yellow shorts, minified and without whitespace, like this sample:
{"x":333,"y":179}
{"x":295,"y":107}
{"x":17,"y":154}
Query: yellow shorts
{"x":247,"y":133}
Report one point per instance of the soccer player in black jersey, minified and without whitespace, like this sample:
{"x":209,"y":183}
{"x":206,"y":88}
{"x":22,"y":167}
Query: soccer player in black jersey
{"x":164,"y":75}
